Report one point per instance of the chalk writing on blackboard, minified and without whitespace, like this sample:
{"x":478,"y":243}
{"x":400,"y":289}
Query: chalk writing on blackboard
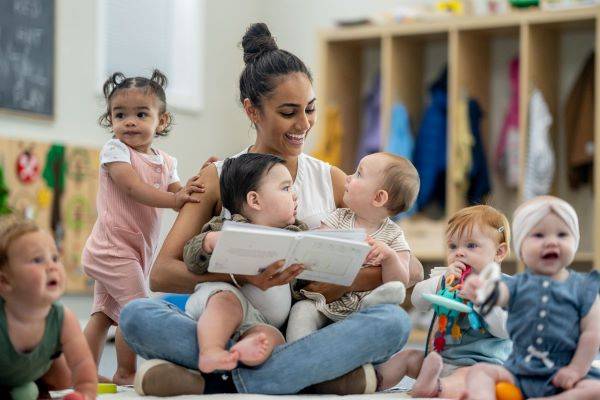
{"x":27,"y":55}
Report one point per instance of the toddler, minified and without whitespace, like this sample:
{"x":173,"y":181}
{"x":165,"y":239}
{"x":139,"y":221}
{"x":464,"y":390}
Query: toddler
{"x":136,"y":181}
{"x":476,"y":236}
{"x":382,"y":186}
{"x":553,"y":311}
{"x":35,"y":329}
{"x":257,"y":189}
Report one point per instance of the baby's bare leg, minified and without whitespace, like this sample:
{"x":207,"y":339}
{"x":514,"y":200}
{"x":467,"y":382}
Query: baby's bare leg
{"x":407,"y":362}
{"x":428,"y":381}
{"x":221,"y":317}
{"x":95,"y":333}
{"x":587,"y":389}
{"x":257,"y":344}
{"x":126,"y":361}
{"x":453,"y":386}
{"x":482,"y":379}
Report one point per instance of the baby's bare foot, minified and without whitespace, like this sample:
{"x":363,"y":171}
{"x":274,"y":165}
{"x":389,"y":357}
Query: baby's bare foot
{"x":217,"y":359}
{"x":253,"y":349}
{"x":427,"y":384}
{"x":123,"y":377}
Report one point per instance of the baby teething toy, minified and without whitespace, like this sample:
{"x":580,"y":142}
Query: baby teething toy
{"x":448,"y":307}
{"x":508,"y":391}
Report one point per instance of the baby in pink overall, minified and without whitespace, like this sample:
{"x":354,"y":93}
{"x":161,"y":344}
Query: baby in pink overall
{"x":135,"y":182}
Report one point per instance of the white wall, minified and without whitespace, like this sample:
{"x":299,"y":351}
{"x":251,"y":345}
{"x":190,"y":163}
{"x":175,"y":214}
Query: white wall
{"x":219,"y":129}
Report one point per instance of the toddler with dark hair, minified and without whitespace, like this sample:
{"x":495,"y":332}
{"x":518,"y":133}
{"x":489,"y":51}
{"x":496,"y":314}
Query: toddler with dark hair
{"x":136,"y":181}
{"x":257,"y":189}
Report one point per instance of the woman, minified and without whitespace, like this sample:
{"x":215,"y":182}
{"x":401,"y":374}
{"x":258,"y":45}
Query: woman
{"x":277,"y":96}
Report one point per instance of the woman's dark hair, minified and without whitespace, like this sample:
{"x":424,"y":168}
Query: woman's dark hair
{"x":241,"y":175}
{"x":155,"y":85}
{"x":264,"y":63}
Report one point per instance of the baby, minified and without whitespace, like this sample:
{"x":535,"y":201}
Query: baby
{"x":553,"y":312}
{"x":256,"y":189}
{"x":476,"y":236}
{"x":35,"y":330}
{"x":382,"y":186}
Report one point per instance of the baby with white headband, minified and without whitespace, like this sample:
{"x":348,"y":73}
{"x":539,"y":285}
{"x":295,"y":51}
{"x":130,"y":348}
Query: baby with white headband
{"x":553,"y":312}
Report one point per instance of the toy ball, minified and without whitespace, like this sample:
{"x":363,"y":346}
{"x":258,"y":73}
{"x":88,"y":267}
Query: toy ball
{"x":28,"y":391}
{"x":508,"y":391}
{"x":74,"y":396}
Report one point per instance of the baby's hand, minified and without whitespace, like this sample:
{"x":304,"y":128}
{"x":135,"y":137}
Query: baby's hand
{"x":566,"y":377}
{"x":184,"y":195}
{"x":210,"y":241}
{"x":210,"y":160}
{"x":470,"y":287}
{"x":379,"y":252}
{"x":455,"y":269}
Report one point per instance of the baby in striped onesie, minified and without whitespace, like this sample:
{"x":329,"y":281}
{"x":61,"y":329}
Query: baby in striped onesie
{"x":382,"y":186}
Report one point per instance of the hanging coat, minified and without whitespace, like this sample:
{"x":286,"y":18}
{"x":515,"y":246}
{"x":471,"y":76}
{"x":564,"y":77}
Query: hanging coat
{"x":430,"y":156}
{"x":539,"y":168}
{"x":479,"y":177}
{"x":463,"y":149}
{"x":329,"y":147}
{"x":506,"y":159}
{"x":401,"y":141}
{"x":370,"y":138}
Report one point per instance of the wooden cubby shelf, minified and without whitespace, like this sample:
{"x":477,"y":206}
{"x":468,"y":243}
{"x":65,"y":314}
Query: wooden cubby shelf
{"x":552,"y":47}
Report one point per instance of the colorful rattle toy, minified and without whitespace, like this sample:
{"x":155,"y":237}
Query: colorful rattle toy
{"x":448,"y":307}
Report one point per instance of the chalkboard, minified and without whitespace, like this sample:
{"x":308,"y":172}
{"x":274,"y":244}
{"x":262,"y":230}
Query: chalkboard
{"x":27,"y":55}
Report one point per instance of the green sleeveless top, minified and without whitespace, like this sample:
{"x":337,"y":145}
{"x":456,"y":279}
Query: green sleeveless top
{"x":19,"y":368}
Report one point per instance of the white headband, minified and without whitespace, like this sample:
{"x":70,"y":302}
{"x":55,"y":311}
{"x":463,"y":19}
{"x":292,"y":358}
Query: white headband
{"x":532,"y":211}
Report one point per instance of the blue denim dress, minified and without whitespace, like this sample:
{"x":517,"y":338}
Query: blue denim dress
{"x":544,"y":317}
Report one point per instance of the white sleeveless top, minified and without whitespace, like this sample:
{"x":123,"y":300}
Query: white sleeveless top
{"x":314,"y":188}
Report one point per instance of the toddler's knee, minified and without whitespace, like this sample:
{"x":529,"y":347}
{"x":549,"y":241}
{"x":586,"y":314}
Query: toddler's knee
{"x":224,"y":298}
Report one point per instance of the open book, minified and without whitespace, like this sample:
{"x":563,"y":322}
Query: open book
{"x":332,"y":256}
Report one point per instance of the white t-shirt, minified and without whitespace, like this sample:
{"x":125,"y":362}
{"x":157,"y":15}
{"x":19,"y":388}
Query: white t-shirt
{"x":116,"y":151}
{"x":314,"y":188}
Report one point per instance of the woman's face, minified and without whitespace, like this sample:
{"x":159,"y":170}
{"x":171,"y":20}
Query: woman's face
{"x":285,"y":116}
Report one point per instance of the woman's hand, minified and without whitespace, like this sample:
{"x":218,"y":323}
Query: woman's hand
{"x":273,"y":275}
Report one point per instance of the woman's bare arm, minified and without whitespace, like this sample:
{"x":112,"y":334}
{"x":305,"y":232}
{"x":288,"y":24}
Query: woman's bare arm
{"x":169,"y":273}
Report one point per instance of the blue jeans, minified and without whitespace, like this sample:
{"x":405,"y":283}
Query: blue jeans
{"x":157,"y":329}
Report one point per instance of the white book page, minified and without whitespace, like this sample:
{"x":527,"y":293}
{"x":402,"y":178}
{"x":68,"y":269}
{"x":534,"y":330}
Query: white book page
{"x":358,"y":235}
{"x":329,"y":260}
{"x":248,"y":252}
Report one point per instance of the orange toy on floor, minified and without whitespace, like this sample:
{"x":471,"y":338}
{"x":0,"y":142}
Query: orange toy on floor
{"x":508,"y":391}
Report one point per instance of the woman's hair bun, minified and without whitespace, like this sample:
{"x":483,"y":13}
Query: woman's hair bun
{"x":257,"y":41}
